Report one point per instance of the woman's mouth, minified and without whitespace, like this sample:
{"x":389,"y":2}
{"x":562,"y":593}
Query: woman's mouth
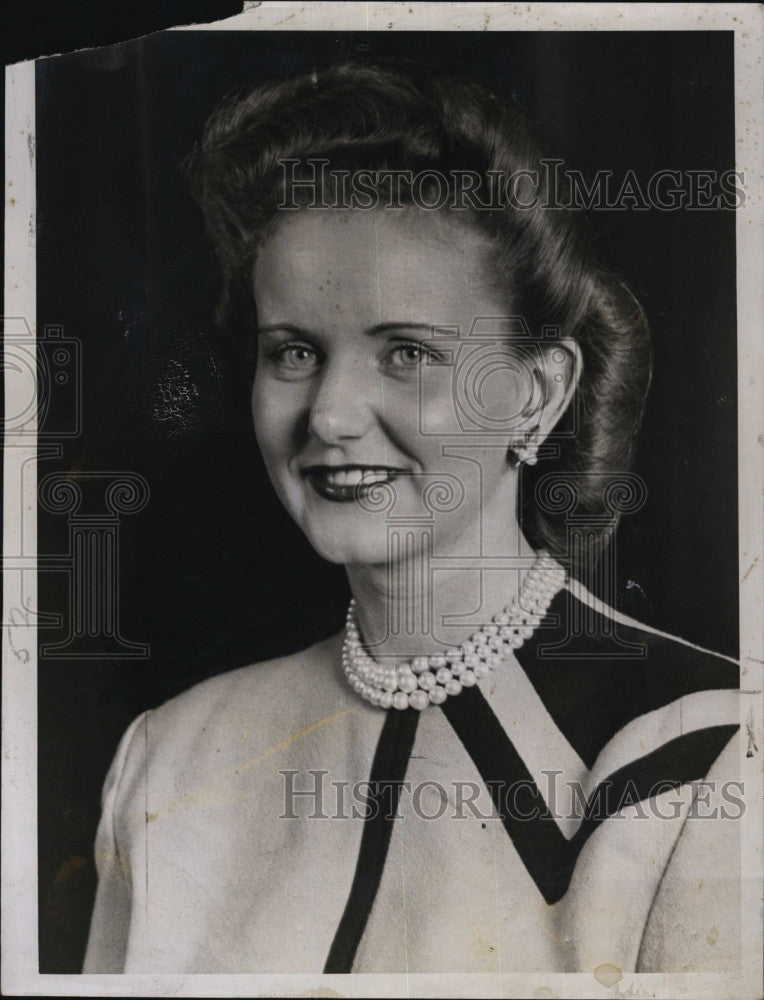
{"x":348,"y":482}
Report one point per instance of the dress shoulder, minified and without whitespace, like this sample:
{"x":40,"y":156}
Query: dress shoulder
{"x":694,"y":922}
{"x":255,"y":680}
{"x":220,"y":721}
{"x":602,"y":677}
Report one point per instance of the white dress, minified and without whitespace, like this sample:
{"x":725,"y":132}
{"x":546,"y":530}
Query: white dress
{"x":553,"y":818}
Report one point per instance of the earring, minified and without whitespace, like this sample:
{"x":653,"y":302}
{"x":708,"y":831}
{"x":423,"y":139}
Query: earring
{"x":525,"y":451}
{"x":528,"y":454}
{"x":522,"y":454}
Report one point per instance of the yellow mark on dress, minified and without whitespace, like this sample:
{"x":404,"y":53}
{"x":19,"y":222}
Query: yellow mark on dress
{"x":215,"y":793}
{"x":290,"y":740}
{"x":608,"y":974}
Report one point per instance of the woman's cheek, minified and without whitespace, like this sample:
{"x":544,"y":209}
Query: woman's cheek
{"x":435,"y":410}
{"x":274,"y":415}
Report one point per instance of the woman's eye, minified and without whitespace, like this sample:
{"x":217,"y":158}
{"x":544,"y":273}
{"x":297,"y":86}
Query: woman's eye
{"x":410,"y":355}
{"x":295,"y":357}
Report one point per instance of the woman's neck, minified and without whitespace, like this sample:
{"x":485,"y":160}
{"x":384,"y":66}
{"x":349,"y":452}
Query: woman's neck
{"x":419,"y":605}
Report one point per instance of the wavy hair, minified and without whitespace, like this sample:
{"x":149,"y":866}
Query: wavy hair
{"x":359,"y":116}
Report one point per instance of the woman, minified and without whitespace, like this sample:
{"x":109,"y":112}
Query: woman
{"x":487,"y":769}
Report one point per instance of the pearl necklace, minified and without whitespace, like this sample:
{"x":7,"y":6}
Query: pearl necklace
{"x":429,"y":680}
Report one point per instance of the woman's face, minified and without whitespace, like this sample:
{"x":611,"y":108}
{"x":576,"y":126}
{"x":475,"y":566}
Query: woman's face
{"x":355,"y":388}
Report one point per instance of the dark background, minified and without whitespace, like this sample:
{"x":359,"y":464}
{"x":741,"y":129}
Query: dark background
{"x":212,"y":573}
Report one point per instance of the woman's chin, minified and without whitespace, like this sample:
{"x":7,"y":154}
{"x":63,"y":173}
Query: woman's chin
{"x":346,"y":544}
{"x":347,"y":551}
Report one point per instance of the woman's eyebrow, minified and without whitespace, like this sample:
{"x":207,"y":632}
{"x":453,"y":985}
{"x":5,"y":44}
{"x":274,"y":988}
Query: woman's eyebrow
{"x":381,"y":328}
{"x":296,"y":331}
{"x":372,"y":331}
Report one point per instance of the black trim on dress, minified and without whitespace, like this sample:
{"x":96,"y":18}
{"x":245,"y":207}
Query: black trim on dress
{"x":591,"y":692}
{"x":547,"y":856}
{"x":391,"y":759}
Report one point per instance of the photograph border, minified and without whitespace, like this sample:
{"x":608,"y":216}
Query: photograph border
{"x":19,"y":711}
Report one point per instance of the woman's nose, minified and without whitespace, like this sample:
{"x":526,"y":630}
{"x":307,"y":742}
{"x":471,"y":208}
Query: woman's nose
{"x":342,"y":407}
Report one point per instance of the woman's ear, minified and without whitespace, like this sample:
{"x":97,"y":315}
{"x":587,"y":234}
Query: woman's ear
{"x":560,"y":369}
{"x":555,"y":378}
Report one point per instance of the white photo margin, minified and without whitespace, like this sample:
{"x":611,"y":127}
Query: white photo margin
{"x":19,"y":712}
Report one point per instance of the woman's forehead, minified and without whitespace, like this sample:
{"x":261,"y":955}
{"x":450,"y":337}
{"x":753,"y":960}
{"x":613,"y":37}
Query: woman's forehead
{"x":375,"y":256}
